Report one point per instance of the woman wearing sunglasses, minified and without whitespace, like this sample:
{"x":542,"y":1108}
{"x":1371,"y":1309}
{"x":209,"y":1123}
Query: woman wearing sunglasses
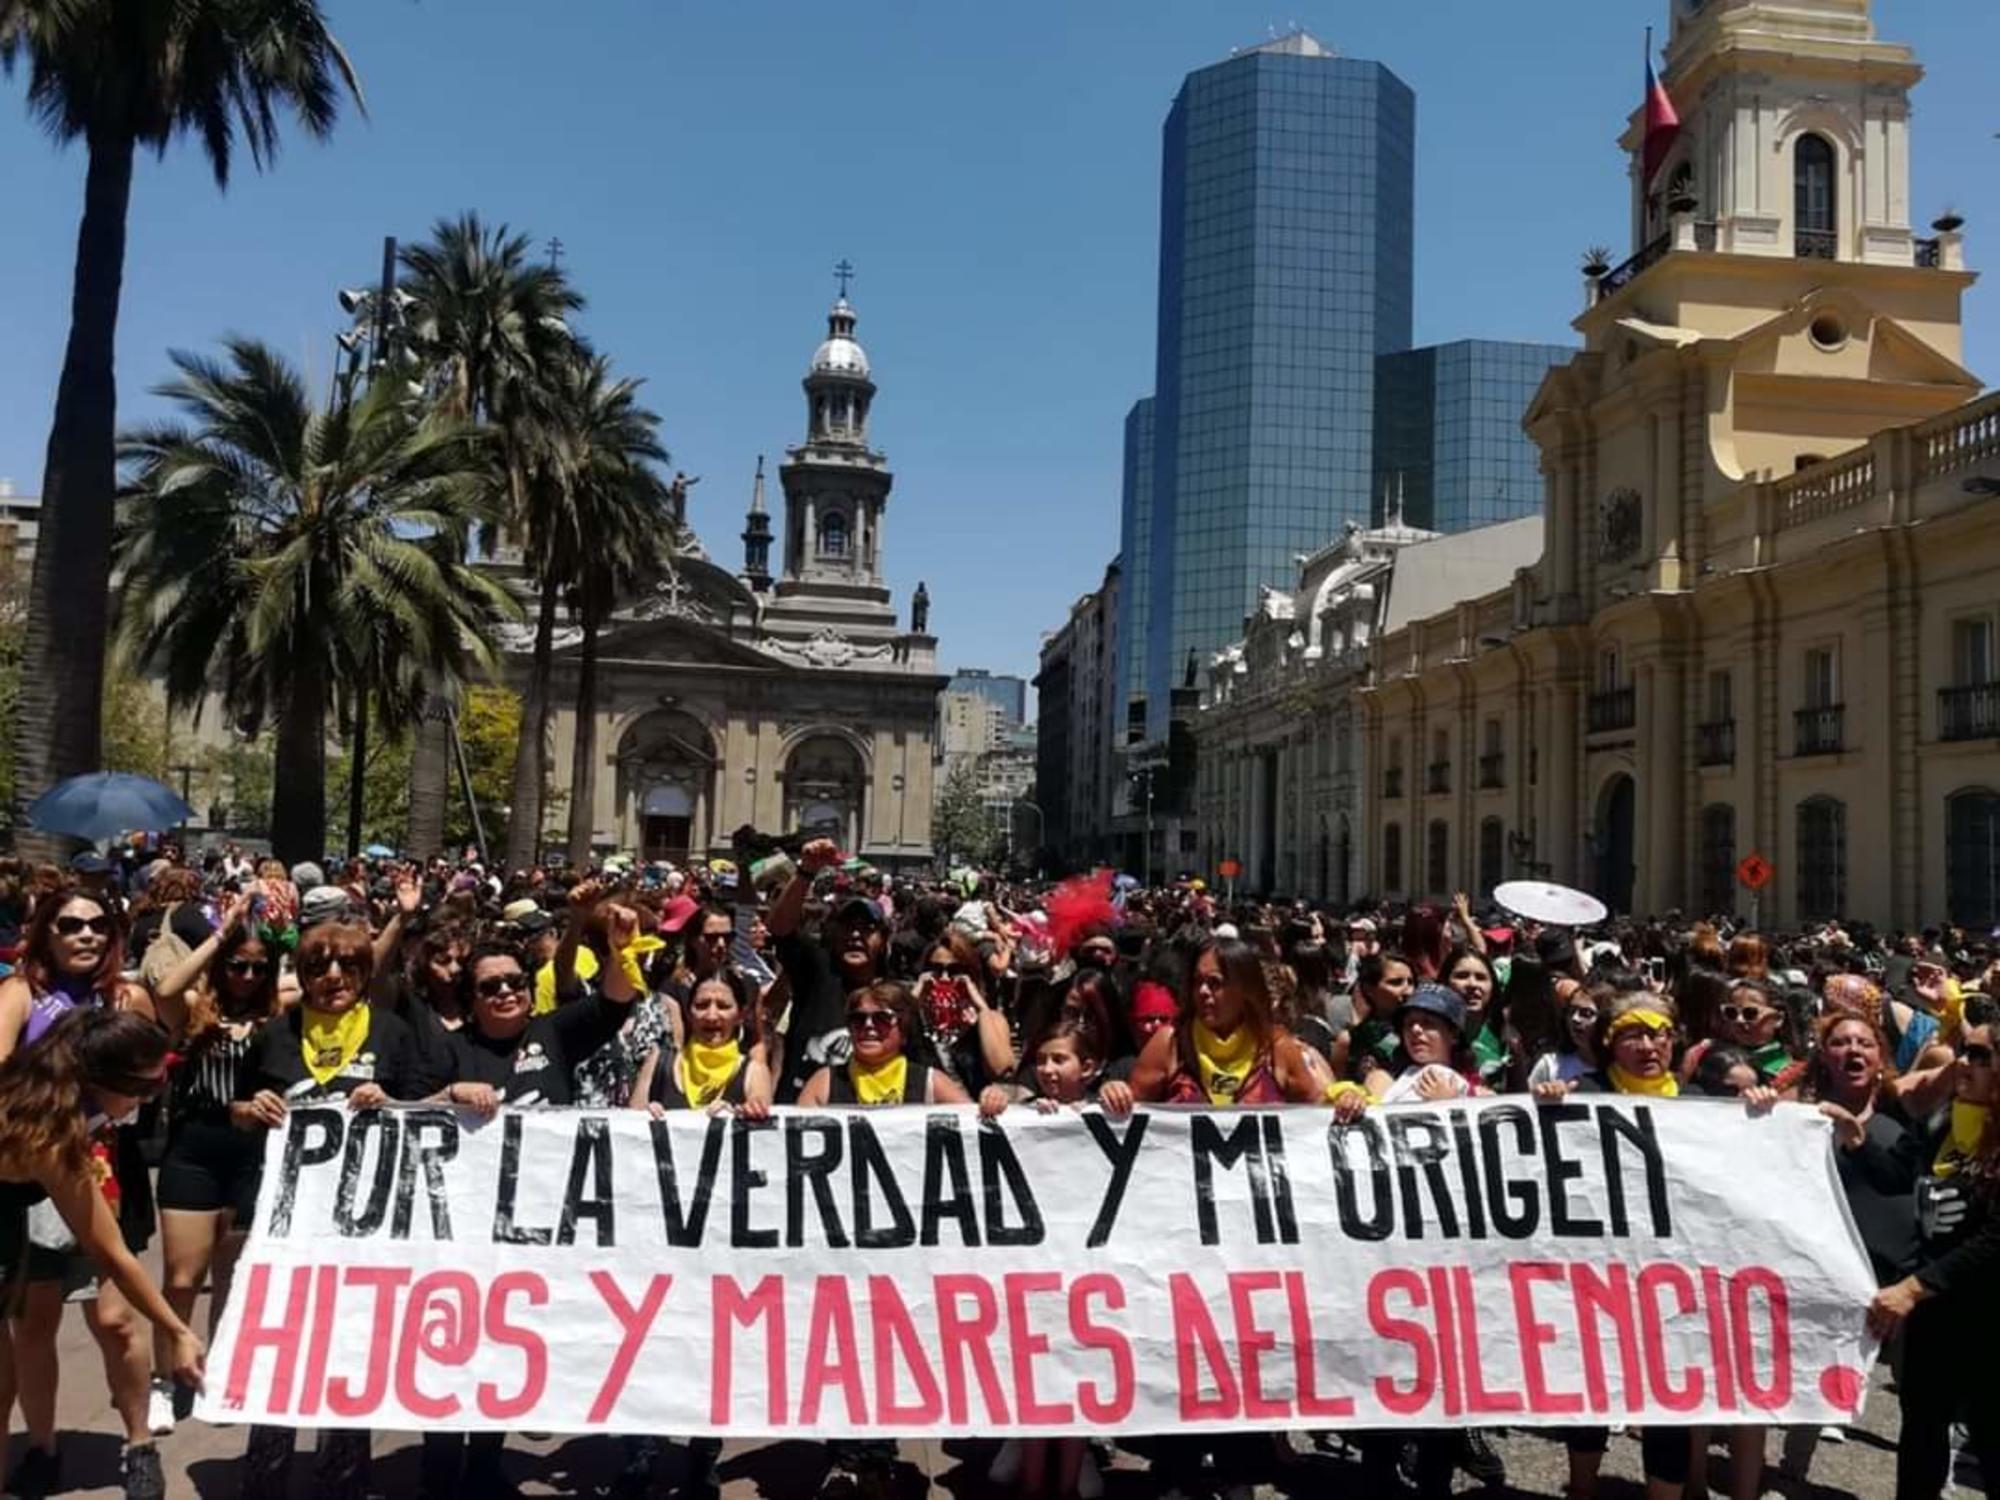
{"x":1635,"y":1037}
{"x":885,"y":1062}
{"x":214,"y":1002}
{"x":967,"y":1034}
{"x":505,"y":1053}
{"x":73,"y":956}
{"x":1755,"y":1018}
{"x":333,"y":1045}
{"x":92,"y":1064}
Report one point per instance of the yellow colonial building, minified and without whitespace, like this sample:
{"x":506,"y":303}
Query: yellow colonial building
{"x":1764,"y":616}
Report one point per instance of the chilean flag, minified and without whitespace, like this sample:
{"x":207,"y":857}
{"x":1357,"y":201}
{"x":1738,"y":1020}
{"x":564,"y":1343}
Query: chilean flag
{"x":1663,"y":126}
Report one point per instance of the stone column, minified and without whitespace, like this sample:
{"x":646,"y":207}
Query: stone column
{"x":1559,"y":770}
{"x":1660,"y":787}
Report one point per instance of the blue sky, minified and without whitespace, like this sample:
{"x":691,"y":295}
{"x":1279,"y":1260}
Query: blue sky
{"x":992,"y":172}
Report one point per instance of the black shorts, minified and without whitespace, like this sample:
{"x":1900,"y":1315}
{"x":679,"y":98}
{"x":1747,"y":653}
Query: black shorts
{"x":211,"y":1165}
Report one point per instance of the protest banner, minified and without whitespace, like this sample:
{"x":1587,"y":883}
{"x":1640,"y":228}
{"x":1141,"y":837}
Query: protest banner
{"x":916,"y":1272}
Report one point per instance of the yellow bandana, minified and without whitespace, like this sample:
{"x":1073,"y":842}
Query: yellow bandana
{"x":881,"y":1084}
{"x":628,"y":960}
{"x":1663,"y":1087}
{"x":1650,"y":1020}
{"x":330,"y":1040}
{"x":703,"y":1072}
{"x":1961,"y":1143}
{"x":1225,"y":1063}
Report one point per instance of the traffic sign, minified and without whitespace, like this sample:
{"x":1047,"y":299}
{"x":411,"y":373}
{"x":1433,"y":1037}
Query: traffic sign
{"x":1754,"y":872}
{"x":1229,"y":869}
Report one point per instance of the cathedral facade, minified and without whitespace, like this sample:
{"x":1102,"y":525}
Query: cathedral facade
{"x":788,"y":698}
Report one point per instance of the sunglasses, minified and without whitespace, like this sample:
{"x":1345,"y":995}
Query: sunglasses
{"x":948,"y":971}
{"x":874,"y":1020}
{"x":71,"y":926}
{"x":493,"y":986}
{"x":249,"y":968}
{"x":1744,"y":1015}
{"x":1978,"y":1056}
{"x":1643,"y":1034}
{"x":322,"y":963}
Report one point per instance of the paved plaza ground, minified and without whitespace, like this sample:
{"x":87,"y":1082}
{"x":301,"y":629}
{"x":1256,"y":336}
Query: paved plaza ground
{"x":201,"y":1460}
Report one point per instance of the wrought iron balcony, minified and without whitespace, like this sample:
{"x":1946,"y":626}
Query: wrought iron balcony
{"x":1816,"y":244}
{"x":1619,"y":276}
{"x":1392,"y":782}
{"x":1617,"y":708}
{"x":1715,"y":743}
{"x":1969,"y":713}
{"x":1438,"y":778}
{"x":1819,"y":729}
{"x":1490,"y":769}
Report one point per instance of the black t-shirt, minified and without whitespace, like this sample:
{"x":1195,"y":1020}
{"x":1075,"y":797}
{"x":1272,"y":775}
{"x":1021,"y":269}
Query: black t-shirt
{"x":536,"y":1065}
{"x":819,"y":1006}
{"x":388,"y":1056}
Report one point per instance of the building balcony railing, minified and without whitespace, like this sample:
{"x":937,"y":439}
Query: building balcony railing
{"x":1490,"y":769}
{"x":1705,"y":237}
{"x":1715,"y":743}
{"x":1618,"y":277}
{"x":1617,"y":708}
{"x":1816,"y":244}
{"x":1392,"y":782}
{"x":1438,"y":776}
{"x":1819,"y":729}
{"x":1969,"y":713}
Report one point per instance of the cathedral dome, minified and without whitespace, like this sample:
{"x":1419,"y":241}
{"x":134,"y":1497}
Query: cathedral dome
{"x":840,"y":354}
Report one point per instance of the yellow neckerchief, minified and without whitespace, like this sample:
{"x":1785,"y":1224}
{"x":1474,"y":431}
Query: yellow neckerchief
{"x":1663,"y":1087}
{"x":1224,"y":1063}
{"x":628,"y":959}
{"x":881,"y":1084}
{"x":330,"y":1041}
{"x":545,"y":978}
{"x":1961,"y":1143}
{"x":703,"y":1072}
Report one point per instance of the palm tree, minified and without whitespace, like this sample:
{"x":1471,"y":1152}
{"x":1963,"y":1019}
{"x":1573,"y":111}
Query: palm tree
{"x":278,"y":555}
{"x":490,"y":324}
{"x":118,"y":75}
{"x":626,"y":540}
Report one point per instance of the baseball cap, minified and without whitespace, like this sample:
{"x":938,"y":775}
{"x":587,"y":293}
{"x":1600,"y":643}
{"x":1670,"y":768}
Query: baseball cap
{"x":90,"y":862}
{"x":677,"y":912}
{"x":1438,"y":1001}
{"x":859,"y":909}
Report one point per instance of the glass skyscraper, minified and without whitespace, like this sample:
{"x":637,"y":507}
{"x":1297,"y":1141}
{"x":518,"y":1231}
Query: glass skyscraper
{"x":1449,"y":451}
{"x":1136,"y":544}
{"x":1285,"y":254}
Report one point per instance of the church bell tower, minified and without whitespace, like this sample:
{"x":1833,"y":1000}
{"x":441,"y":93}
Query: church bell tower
{"x":836,"y":489}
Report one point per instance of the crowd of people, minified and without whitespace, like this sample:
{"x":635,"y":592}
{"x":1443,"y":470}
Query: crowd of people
{"x":161,"y":1014}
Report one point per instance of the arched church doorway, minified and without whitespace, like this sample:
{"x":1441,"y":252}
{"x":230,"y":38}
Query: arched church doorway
{"x":1617,"y":811}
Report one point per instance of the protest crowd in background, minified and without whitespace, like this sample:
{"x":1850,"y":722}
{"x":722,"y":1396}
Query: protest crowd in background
{"x":791,"y":975}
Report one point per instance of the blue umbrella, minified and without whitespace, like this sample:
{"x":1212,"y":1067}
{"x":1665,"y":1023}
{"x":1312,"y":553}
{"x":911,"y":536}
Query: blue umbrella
{"x":379,"y":851}
{"x":105,"y":803}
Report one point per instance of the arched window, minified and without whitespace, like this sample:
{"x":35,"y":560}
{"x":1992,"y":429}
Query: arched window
{"x":1822,"y":858}
{"x":1972,"y":857}
{"x":833,"y":534}
{"x":1718,"y":858}
{"x":1813,"y":202}
{"x":1437,"y":858}
{"x":1392,"y":858}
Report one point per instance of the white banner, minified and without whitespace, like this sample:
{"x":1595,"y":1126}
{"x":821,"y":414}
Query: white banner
{"x":911,"y":1271}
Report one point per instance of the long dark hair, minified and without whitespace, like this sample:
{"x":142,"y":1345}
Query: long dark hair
{"x":1242,"y":971}
{"x":205,"y":1002}
{"x":42,"y":1085}
{"x":38,"y":957}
